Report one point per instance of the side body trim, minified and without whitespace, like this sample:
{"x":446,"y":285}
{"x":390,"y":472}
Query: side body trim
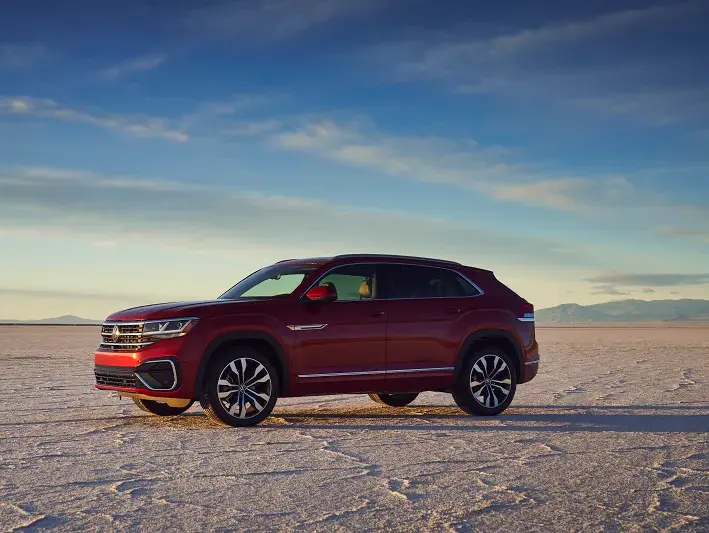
{"x":306,"y":327}
{"x":376,"y":372}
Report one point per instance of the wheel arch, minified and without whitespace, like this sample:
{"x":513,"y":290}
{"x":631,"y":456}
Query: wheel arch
{"x":499,"y":338}
{"x":258,"y":340}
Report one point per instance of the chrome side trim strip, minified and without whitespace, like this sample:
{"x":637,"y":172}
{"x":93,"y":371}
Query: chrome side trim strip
{"x":533,"y":362}
{"x":174,"y":374}
{"x":408,"y":370}
{"x":378,"y":372}
{"x":339,"y":374}
{"x":307,"y":327}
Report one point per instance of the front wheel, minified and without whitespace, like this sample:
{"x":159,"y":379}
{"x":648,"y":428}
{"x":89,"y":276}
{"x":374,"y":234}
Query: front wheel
{"x":160,"y":408}
{"x":394,"y":400}
{"x":486,"y":384}
{"x":240,"y":388}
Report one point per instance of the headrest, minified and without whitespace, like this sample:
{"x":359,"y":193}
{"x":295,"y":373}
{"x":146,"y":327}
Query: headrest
{"x":365,"y":289}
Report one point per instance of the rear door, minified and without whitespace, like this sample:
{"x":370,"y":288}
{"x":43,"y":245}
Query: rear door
{"x":340,"y":346}
{"x":425,"y":307}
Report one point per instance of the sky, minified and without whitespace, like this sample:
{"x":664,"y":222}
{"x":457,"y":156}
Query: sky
{"x":163,"y":151}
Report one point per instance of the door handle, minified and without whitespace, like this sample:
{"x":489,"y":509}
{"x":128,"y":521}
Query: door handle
{"x":453,"y":311}
{"x":379,"y":313}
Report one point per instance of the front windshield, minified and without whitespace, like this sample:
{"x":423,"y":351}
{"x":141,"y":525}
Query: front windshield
{"x":270,"y":282}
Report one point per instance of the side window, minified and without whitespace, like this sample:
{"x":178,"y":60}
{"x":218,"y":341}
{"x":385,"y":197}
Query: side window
{"x":411,"y":281}
{"x":352,"y":282}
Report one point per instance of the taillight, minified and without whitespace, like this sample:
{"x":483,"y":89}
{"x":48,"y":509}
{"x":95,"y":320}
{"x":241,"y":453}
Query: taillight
{"x":527,"y":312}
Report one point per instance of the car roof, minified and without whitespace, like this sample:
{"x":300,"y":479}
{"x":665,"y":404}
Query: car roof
{"x":369,"y":257}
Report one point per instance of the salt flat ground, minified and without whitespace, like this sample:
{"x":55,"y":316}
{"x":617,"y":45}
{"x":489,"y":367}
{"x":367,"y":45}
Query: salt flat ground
{"x":612,"y":435}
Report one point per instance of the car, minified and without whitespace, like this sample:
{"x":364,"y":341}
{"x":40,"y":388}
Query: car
{"x":389,"y":326}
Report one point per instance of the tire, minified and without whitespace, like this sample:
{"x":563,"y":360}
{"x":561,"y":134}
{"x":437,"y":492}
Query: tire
{"x":394,"y":400}
{"x":160,"y":408}
{"x":239,"y":407}
{"x":487,"y":383}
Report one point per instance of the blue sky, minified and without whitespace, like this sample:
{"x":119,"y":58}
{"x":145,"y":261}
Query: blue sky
{"x":163,"y":152}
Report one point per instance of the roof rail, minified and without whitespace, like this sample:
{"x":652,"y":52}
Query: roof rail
{"x":398,"y":256}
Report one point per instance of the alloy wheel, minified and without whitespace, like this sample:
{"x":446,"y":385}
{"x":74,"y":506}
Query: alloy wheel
{"x":490,"y":380}
{"x":244,"y":387}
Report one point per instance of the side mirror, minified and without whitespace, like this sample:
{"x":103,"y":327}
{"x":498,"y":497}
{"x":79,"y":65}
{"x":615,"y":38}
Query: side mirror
{"x":321,"y":293}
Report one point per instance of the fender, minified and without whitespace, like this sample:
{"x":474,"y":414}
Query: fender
{"x":490,"y":334}
{"x":220,"y":340}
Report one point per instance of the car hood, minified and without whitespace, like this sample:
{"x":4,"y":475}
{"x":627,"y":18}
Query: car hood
{"x":172,"y":310}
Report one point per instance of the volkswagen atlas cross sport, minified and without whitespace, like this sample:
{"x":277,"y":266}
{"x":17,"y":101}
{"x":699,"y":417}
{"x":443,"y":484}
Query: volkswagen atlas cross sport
{"x":388,"y":326}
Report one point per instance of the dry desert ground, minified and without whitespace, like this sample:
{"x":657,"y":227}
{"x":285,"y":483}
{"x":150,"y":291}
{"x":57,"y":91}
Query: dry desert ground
{"x":613,"y":435}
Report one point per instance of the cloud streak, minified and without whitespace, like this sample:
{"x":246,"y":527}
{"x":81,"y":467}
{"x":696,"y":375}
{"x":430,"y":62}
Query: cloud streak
{"x":19,"y":56}
{"x":205,"y":219}
{"x":134,"y":66}
{"x":463,"y":164}
{"x":650,"y":280}
{"x":274,"y":19}
{"x":73,"y":295}
{"x":138,"y":126}
{"x":551,"y":64}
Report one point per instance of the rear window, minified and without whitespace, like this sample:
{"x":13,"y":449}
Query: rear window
{"x":416,"y":281}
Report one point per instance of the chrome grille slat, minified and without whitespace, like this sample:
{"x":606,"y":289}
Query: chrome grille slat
{"x":130,"y":338}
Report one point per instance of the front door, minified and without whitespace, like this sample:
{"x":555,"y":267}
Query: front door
{"x":339,"y":346}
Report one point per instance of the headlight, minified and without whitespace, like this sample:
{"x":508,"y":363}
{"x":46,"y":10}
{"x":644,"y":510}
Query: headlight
{"x":169,"y":328}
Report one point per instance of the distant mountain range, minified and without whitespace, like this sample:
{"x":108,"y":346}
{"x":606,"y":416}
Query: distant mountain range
{"x":65,"y":320}
{"x":626,"y":311}
{"x":619,"y":311}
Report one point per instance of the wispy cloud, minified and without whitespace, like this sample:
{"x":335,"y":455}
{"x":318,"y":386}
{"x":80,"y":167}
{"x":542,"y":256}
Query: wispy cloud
{"x":199,"y":218}
{"x":138,"y":126}
{"x":650,"y":280}
{"x":274,"y":19}
{"x":133,"y":66}
{"x":657,"y":108}
{"x":626,"y":284}
{"x":72,"y":295}
{"x":699,"y":234}
{"x":562,"y":63}
{"x":16,"y":56}
{"x":463,"y":164}
{"x":553,"y":35}
{"x":608,"y":290}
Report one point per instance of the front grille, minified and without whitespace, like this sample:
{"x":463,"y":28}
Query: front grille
{"x":117,"y":337}
{"x":115,"y":376}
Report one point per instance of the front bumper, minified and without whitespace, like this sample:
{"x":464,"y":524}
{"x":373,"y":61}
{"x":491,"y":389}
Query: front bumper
{"x":156,"y":375}
{"x":161,"y":370}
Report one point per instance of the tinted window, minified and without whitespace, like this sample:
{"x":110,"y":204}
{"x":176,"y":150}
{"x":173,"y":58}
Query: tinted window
{"x":410,"y":281}
{"x":352,"y":282}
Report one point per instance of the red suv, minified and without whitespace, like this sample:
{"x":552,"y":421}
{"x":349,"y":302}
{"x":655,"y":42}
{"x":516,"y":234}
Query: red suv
{"x":390,"y":326}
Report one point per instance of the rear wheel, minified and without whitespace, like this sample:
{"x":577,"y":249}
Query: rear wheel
{"x":160,"y":408}
{"x":240,"y":388}
{"x":394,"y":400}
{"x":486,"y":384}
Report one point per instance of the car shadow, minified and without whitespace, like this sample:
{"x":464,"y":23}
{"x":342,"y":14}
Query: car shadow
{"x":531,"y":418}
